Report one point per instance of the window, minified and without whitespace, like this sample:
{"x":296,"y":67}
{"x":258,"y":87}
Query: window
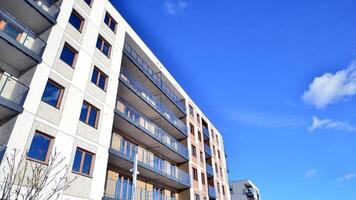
{"x":203,"y":178}
{"x":196,"y":197}
{"x":221,"y":172}
{"x":198,"y":118}
{"x":191,"y":128}
{"x":69,"y":55}
{"x":223,"y":190}
{"x":89,"y":2}
{"x":199,"y":136}
{"x":76,"y":20}
{"x":194,"y":151}
{"x":217,"y":139}
{"x":99,"y":78}
{"x":201,"y":157}
{"x":218,"y":185}
{"x":191,"y":111}
{"x":219,"y":154}
{"x":89,"y":115}
{"x":83,"y":162}
{"x":40,"y":147}
{"x":103,"y":46}
{"x":108,"y":20}
{"x":53,"y":94}
{"x":195,"y":174}
{"x":216,"y":169}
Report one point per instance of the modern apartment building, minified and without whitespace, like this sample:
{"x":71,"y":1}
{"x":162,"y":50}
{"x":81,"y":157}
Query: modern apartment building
{"x":244,"y":190}
{"x":75,"y":77}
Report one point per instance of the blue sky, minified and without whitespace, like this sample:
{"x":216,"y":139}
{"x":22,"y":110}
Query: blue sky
{"x":276,"y":78}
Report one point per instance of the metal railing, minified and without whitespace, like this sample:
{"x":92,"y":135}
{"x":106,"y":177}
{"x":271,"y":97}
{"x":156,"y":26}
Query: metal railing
{"x":148,"y":160}
{"x":12,"y":90}
{"x":143,"y":123}
{"x":211,"y":191}
{"x":207,"y":149}
{"x":20,"y":33}
{"x":156,"y":79}
{"x":118,"y":190}
{"x":47,"y":6}
{"x":145,"y":94}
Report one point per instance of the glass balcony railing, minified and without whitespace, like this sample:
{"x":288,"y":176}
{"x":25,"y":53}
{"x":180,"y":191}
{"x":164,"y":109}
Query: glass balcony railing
{"x":206,"y":132}
{"x":2,"y":151}
{"x":47,"y":6}
{"x":150,"y":128}
{"x":119,"y":190}
{"x":209,"y":169}
{"x":156,"y":79}
{"x":207,"y":150}
{"x":211,"y":191}
{"x":148,"y":160}
{"x":12,"y":89}
{"x":145,"y":94}
{"x":20,"y":34}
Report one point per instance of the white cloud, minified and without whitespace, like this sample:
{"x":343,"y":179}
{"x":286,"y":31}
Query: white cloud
{"x":331,"y":88}
{"x":310,"y":173}
{"x":174,"y":7}
{"x":329,"y":124}
{"x":347,"y":177}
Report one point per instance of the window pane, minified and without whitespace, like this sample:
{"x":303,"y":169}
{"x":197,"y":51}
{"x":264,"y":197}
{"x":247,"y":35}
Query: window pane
{"x":87,"y":163}
{"x":98,"y":43}
{"x":83,"y":114}
{"x":102,"y":82}
{"x":94,"y":77}
{"x":92,"y":117}
{"x":67,"y":55}
{"x":112,"y":26}
{"x":77,"y":160}
{"x":88,"y":2}
{"x":107,"y":19}
{"x":106,"y":49}
{"x":51,"y":94}
{"x":75,"y":21}
{"x":39,"y":147}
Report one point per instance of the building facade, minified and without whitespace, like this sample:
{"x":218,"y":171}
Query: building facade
{"x":244,"y":190}
{"x":75,"y":78}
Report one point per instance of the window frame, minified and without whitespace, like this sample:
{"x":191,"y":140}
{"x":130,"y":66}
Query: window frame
{"x":91,"y":3}
{"x":191,"y":129}
{"x":61,"y":93}
{"x":111,"y":20}
{"x":202,"y":178}
{"x":49,"y":151}
{"x":73,"y":50}
{"x":104,"y":41}
{"x":83,"y":152}
{"x":195,"y":174}
{"x":100,"y":72}
{"x":194,"y":151}
{"x":81,"y":18}
{"x":90,"y":106}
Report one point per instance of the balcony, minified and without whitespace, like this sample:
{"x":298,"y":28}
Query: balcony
{"x":251,"y":193}
{"x":155,"y":78}
{"x":206,"y":133}
{"x":19,"y":46}
{"x":207,"y":150}
{"x":2,"y":151}
{"x":12,"y":96}
{"x":211,"y":192}
{"x":138,"y":95}
{"x":209,"y":170}
{"x":38,"y":15}
{"x":149,"y":165}
{"x":122,"y":190}
{"x":142,"y":129}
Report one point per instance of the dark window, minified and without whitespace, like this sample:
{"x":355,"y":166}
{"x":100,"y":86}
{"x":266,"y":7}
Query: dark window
{"x":103,"y":46}
{"x":69,"y":55}
{"x":191,"y":127}
{"x":198,"y":118}
{"x":221,"y":172}
{"x":218,"y":185}
{"x":76,"y":20}
{"x":199,"y":136}
{"x":108,"y":20}
{"x":196,"y":197}
{"x":223,"y":190}
{"x":191,"y":111}
{"x":53,"y":94}
{"x":40,"y":147}
{"x":89,"y":115}
{"x":83,"y":162}
{"x":203,"y":178}
{"x":219,"y":154}
{"x":89,"y":2}
{"x":216,"y":169}
{"x":99,"y":78}
{"x":201,"y":157}
{"x":194,"y":151}
{"x":195,"y":174}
